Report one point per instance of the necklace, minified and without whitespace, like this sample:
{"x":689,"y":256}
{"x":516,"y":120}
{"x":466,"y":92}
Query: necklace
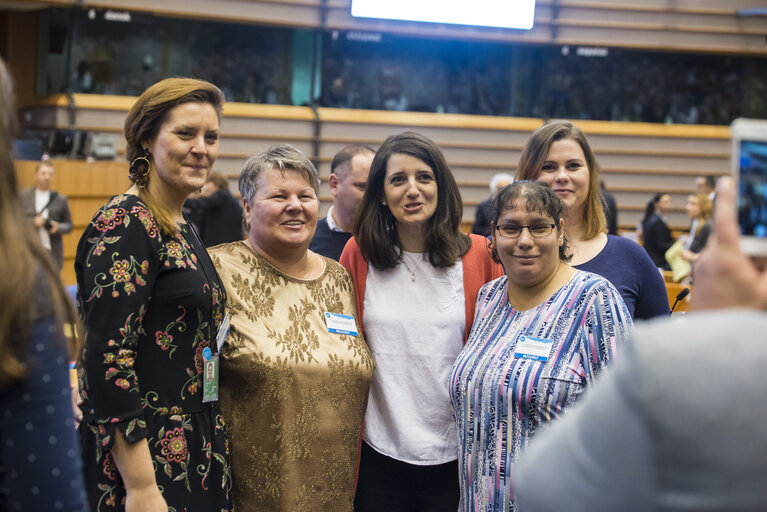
{"x":412,"y":274}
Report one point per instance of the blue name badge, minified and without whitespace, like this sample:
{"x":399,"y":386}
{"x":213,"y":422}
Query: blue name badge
{"x":535,"y":349}
{"x":341,"y":324}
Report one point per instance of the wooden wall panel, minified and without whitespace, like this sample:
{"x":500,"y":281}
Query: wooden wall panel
{"x":636,"y":159}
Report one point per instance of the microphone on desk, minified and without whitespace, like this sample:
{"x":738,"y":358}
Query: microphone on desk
{"x":679,"y":296}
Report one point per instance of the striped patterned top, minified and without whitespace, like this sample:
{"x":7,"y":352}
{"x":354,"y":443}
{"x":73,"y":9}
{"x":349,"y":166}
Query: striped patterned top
{"x":501,"y":400}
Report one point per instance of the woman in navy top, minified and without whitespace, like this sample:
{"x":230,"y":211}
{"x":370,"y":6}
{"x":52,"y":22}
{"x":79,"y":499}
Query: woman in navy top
{"x":40,"y":465}
{"x":559,"y":154}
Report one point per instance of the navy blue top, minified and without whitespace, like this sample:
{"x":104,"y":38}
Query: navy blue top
{"x":328,"y":242}
{"x":40,"y":465}
{"x":628,"y":267}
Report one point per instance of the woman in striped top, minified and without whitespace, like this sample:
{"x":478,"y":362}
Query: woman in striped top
{"x":540,"y":336}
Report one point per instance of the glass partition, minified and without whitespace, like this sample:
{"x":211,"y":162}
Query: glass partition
{"x":119,"y":52}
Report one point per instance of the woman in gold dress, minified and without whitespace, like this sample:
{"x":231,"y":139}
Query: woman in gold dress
{"x":295,"y":372}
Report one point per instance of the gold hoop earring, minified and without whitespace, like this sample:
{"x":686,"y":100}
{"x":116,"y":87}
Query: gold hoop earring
{"x":139,"y":170}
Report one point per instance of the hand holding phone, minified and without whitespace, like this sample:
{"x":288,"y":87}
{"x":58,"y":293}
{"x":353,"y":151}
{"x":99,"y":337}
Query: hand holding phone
{"x":749,"y":170}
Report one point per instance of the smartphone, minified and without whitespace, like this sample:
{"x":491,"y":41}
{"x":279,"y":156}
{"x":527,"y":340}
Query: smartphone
{"x":749,"y":170}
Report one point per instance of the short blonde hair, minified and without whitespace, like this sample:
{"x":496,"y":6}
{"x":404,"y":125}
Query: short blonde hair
{"x":282,"y":157}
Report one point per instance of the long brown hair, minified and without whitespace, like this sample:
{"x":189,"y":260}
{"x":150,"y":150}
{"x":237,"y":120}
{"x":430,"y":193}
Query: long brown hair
{"x":24,"y":262}
{"x":376,"y":228}
{"x":147,"y":115}
{"x":537,"y":149}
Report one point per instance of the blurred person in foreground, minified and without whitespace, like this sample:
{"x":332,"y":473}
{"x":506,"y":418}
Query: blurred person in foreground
{"x":348,"y":180}
{"x":295,"y":368}
{"x":40,"y":467}
{"x":482,"y":217}
{"x":49,"y":211}
{"x":541,"y":336}
{"x":152,"y":305}
{"x":416,"y":278}
{"x":559,"y":154}
{"x":678,"y":423}
{"x":216,"y":212}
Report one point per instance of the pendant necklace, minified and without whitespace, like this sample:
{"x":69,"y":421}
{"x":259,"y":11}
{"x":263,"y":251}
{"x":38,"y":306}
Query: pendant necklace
{"x":412,"y":274}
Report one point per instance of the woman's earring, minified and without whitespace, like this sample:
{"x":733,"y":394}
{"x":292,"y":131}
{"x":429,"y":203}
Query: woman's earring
{"x":139,"y":170}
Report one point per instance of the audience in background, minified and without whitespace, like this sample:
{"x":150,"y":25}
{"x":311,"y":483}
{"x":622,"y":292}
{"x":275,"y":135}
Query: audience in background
{"x":699,"y":208}
{"x":295,"y":380}
{"x":678,"y":423}
{"x":49,"y":211}
{"x":386,"y":71}
{"x":152,"y":433}
{"x":416,"y":278}
{"x":347,"y":182}
{"x":559,"y":154}
{"x":215,"y":212}
{"x":656,"y":235}
{"x":532,"y":329}
{"x":39,"y":464}
{"x":706,"y":185}
{"x":482,"y":216}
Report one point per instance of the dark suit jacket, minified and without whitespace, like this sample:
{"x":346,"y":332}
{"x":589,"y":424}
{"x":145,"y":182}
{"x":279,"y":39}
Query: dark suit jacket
{"x":482,"y":219}
{"x":218,"y":217}
{"x":611,"y":212}
{"x":657,"y":240}
{"x":58,"y":210}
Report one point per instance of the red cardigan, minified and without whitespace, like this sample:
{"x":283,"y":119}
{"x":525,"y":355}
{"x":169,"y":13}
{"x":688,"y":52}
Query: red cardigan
{"x":478,"y":269}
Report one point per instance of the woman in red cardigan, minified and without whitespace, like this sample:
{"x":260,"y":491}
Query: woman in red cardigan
{"x":416,"y":278}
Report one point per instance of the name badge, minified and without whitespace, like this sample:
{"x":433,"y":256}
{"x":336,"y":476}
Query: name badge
{"x":536,"y":349}
{"x":223,"y":330}
{"x":341,"y":324}
{"x":209,"y":377}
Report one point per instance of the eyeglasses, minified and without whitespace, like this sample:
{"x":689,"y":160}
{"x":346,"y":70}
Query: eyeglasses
{"x":536,"y":230}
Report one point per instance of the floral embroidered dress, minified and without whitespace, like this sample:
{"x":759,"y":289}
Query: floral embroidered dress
{"x":293,"y":392}
{"x":151,"y":304}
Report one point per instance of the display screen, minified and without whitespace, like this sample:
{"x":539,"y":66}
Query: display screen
{"x":484,"y":13}
{"x":752,"y":200}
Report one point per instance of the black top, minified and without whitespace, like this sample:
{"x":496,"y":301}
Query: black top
{"x":611,"y":212}
{"x":699,"y":240}
{"x":657,"y":240}
{"x":218,"y":217}
{"x":151,"y":304}
{"x":328,"y":242}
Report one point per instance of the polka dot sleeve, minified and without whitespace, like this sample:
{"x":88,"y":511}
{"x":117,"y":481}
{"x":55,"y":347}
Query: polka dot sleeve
{"x":40,"y":466}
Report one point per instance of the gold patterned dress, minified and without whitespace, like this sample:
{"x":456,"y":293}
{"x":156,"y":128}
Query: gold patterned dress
{"x":293,"y":394}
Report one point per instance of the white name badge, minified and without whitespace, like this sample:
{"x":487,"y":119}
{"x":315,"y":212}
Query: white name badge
{"x":536,"y":349}
{"x":341,"y":324}
{"x":223,"y":330}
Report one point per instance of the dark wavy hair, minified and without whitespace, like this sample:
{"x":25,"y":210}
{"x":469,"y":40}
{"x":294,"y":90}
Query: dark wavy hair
{"x":376,"y":228}
{"x":534,"y":196}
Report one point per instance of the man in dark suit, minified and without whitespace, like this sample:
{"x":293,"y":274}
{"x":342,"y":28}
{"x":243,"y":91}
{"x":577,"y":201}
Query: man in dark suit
{"x":49,"y":211}
{"x":216,"y":212}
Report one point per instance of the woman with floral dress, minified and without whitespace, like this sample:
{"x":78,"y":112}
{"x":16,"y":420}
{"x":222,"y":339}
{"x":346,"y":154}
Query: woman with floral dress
{"x":152,"y":304}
